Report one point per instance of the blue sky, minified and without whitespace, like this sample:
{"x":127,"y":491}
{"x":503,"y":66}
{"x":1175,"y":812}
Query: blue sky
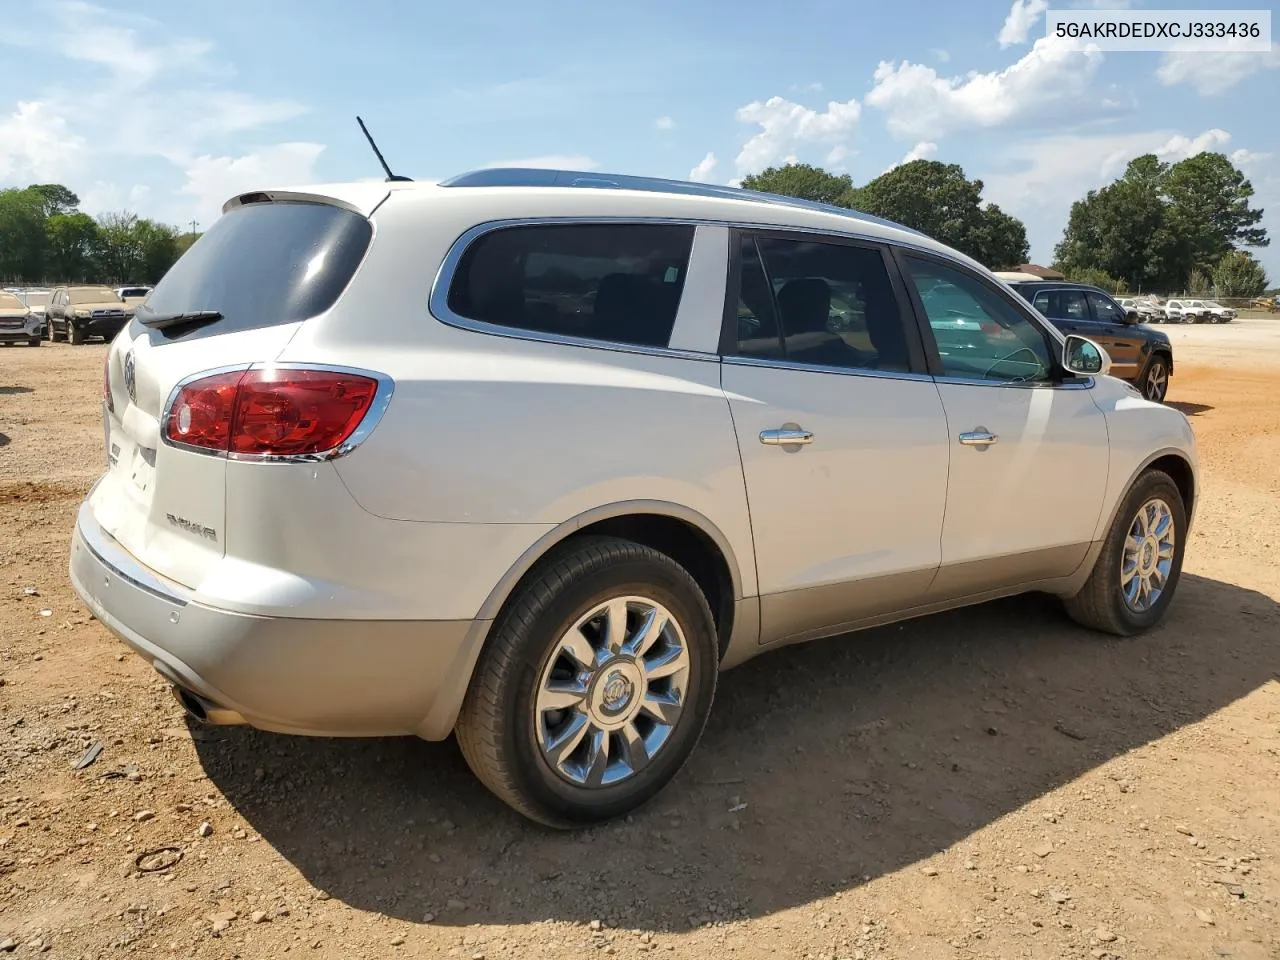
{"x":167,"y":109}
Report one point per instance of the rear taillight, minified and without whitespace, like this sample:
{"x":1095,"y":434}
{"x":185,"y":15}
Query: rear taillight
{"x":274,"y":412}
{"x":106,"y":384}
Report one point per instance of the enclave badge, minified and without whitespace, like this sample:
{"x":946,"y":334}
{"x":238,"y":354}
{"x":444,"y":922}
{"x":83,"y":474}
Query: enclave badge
{"x":130,"y":379}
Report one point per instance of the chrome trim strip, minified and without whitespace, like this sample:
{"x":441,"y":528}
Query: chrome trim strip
{"x":373,"y":416}
{"x":819,"y":368}
{"x":438,"y":299}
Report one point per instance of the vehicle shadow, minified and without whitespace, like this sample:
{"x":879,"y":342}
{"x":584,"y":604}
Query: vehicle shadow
{"x":823,"y":766}
{"x":1190,"y":409}
{"x":8,"y":390}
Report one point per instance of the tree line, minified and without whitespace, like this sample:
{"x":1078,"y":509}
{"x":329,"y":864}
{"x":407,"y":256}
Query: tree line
{"x":1179,"y":227}
{"x":46,"y":238}
{"x":1159,"y":227}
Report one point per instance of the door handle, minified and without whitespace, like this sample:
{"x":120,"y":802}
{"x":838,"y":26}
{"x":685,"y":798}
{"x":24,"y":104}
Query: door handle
{"x":786,"y":435}
{"x":981,"y":437}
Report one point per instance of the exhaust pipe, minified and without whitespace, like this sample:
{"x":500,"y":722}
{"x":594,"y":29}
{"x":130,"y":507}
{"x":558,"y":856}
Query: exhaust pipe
{"x":203,"y":710}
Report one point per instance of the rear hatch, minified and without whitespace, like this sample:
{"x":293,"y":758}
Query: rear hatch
{"x":234,"y":299}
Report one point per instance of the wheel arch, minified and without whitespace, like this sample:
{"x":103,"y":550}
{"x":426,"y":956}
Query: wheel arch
{"x":1177,"y":465}
{"x":681,"y":532}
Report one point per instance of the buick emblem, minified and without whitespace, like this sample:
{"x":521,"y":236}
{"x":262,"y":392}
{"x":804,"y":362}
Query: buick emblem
{"x":130,"y":378}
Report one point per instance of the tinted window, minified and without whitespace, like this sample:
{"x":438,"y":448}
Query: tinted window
{"x":1105,"y":310}
{"x":1062,"y":304}
{"x":756,"y":317}
{"x":979,"y":333}
{"x":264,"y":264}
{"x":828,"y":304}
{"x":614,"y":282}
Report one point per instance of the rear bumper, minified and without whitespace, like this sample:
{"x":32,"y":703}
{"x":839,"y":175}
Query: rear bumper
{"x":315,"y":677}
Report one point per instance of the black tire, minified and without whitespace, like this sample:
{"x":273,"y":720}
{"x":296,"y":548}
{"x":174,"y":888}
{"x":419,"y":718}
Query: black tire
{"x":1100,"y":604}
{"x":48,"y":331}
{"x":33,"y":342}
{"x":1154,"y":382}
{"x":495,"y":728}
{"x":75,"y":333}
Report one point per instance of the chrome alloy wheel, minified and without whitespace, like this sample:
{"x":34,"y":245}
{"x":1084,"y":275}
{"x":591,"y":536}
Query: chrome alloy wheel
{"x":612,"y":692}
{"x":1148,"y":555}
{"x":1157,"y":382}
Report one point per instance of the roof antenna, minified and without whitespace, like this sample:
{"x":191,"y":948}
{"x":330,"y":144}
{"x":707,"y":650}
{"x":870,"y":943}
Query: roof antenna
{"x":390,"y":176}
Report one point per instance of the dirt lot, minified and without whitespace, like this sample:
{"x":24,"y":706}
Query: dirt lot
{"x":988,"y":783}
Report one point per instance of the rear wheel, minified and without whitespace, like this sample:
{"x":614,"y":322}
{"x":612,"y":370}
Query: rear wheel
{"x":1137,"y":572}
{"x":595,"y":686}
{"x":1155,"y":379}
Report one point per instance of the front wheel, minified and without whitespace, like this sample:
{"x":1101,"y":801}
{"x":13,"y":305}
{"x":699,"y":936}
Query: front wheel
{"x":1137,"y":571}
{"x":75,"y":334}
{"x":1155,"y":380}
{"x":595,"y":686}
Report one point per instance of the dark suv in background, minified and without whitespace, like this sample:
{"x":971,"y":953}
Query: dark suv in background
{"x":1139,"y":354}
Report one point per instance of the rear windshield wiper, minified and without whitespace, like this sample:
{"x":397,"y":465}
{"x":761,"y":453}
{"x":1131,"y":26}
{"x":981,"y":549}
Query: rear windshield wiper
{"x":160,"y":321}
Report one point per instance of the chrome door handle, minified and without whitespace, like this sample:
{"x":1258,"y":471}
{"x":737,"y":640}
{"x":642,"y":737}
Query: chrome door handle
{"x":982,"y":437}
{"x":777,"y":438}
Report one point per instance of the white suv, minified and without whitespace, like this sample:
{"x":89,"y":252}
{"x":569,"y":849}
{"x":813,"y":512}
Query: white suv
{"x":532,"y":455}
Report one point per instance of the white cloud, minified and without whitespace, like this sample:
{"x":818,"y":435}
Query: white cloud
{"x":702,"y":172}
{"x":785,"y":125}
{"x":1248,"y":158}
{"x":35,"y":143}
{"x":1179,"y":147}
{"x":942,"y":56}
{"x":921,"y":103}
{"x":921,"y":151}
{"x":214,"y":180}
{"x":838,"y":154}
{"x":1022,"y":17}
{"x":551,"y":161}
{"x":129,"y":94}
{"x":1214,"y":73}
{"x":665,"y":123}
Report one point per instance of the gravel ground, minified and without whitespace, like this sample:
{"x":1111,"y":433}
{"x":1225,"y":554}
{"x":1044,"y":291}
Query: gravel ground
{"x":987,"y":783}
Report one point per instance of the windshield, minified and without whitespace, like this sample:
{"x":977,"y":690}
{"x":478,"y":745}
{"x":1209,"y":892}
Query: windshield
{"x":264,"y":264}
{"x":39,"y":298}
{"x":93,"y":295}
{"x":9,"y":301}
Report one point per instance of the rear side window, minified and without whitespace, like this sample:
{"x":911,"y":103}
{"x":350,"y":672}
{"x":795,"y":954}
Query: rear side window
{"x":1062,"y":304}
{"x":614,"y":282}
{"x":265,"y":264}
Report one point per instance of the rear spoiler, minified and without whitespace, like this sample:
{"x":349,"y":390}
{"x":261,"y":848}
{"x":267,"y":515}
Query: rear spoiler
{"x":361,"y":197}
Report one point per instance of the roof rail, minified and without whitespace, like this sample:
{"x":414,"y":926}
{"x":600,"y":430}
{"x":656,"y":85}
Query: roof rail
{"x":538,"y":177}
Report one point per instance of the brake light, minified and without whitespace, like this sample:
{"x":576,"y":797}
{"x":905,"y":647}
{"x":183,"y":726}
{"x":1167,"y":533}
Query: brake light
{"x":106,"y":383}
{"x":273,"y":412}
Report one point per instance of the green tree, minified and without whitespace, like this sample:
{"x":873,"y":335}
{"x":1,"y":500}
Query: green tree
{"x":1239,"y":274}
{"x":184,"y":241}
{"x":938,"y":200}
{"x":158,"y":246}
{"x":801,"y":180}
{"x":1094,"y":277}
{"x":119,"y":248}
{"x":1209,"y":208}
{"x":57,"y":198}
{"x":72,"y":241}
{"x":23,"y":245}
{"x":1198,"y":283}
{"x":1158,"y":222}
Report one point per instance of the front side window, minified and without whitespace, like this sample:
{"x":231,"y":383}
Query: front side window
{"x":1062,"y":304}
{"x":979,"y":334}
{"x":619,"y":283}
{"x":1105,"y":309}
{"x":826,"y":304}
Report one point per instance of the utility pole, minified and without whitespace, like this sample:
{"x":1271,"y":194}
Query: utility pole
{"x":194,"y":224}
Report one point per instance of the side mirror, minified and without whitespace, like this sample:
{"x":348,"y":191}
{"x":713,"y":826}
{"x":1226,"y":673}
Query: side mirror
{"x":1085,"y":358}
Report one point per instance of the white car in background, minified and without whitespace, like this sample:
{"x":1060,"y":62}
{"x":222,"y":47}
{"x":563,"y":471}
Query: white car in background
{"x":1213,"y":311}
{"x":607,"y":437}
{"x":18,"y":324}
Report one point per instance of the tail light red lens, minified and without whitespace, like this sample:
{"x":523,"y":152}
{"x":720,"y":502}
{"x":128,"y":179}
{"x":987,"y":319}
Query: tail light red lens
{"x":272,"y":412}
